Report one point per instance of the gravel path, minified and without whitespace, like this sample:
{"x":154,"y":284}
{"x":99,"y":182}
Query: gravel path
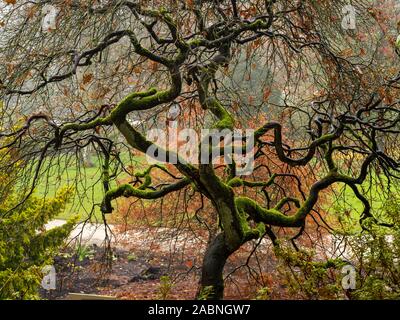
{"x":89,"y":233}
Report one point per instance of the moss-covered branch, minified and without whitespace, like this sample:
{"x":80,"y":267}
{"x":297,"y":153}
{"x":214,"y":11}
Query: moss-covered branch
{"x":276,"y":218}
{"x":278,"y":144}
{"x":126,"y":190}
{"x":238,"y":182}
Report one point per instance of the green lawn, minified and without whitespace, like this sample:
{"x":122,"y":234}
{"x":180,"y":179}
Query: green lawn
{"x":85,"y":180}
{"x":346,"y":207}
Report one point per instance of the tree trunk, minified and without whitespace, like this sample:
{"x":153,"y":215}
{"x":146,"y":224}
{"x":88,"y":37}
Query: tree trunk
{"x":212,"y":282}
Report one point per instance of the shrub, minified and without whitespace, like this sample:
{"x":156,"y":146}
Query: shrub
{"x":25,"y":246}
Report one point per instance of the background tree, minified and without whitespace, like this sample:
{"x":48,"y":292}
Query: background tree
{"x":25,"y":246}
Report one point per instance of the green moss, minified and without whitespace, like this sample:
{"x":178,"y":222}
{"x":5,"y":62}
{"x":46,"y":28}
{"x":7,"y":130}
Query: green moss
{"x":267,"y":216}
{"x":126,"y":190}
{"x":285,"y":200}
{"x":226,"y":121}
{"x":235,"y":182}
{"x":85,"y":126}
{"x":195,"y":42}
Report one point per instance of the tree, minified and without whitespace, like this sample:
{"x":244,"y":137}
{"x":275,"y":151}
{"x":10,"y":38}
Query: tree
{"x":110,"y":62}
{"x":25,"y":246}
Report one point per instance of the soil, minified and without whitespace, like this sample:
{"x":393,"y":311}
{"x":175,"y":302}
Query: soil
{"x":134,"y":267}
{"x":127,"y":276}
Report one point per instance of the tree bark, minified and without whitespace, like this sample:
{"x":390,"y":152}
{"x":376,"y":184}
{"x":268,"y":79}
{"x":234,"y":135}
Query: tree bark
{"x":212,"y":281}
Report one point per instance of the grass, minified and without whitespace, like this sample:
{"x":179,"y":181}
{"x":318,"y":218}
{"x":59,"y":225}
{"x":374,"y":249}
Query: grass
{"x":86,"y":181}
{"x":345,"y":207}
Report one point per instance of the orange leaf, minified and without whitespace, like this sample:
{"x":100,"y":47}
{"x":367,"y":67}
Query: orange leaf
{"x":190,"y":3}
{"x":267,"y":93}
{"x":32,"y":11}
{"x":153,"y":66}
{"x":87,"y":78}
{"x":347,"y":53}
{"x":251,"y":99}
{"x":189,"y":263}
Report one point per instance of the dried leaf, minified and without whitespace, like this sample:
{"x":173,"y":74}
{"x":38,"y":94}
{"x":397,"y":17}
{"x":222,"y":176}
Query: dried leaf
{"x":347,"y":53}
{"x":189,"y":264}
{"x":266,"y":94}
{"x":190,"y":4}
{"x":87,"y":78}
